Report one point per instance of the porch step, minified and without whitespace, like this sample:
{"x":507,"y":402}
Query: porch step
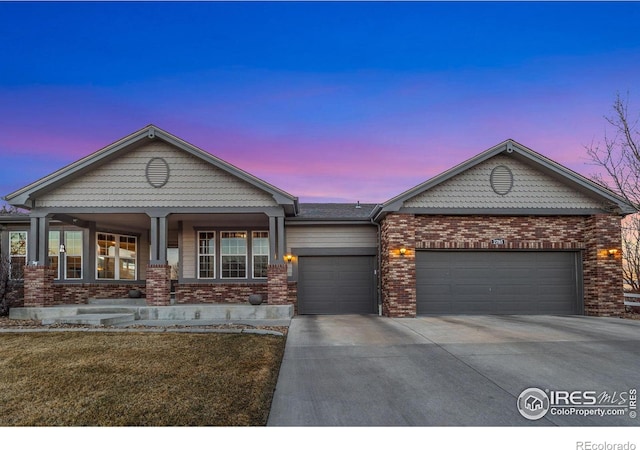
{"x":92,"y":319}
{"x":118,"y":301}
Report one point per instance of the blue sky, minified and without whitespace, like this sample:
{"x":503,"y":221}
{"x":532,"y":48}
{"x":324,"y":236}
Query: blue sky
{"x":329,"y":101}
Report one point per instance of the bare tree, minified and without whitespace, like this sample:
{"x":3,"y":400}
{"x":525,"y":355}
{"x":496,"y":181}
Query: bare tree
{"x":631,"y":253}
{"x":619,"y":157}
{"x":6,"y":286}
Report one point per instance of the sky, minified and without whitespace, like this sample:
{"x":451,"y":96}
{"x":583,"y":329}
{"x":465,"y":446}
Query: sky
{"x":329,"y":101}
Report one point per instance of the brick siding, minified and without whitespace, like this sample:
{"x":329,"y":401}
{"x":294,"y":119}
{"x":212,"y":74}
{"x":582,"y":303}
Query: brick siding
{"x":277,"y":285}
{"x":78,"y":294}
{"x":592,"y":235}
{"x":38,"y":286}
{"x":158,"y":290}
{"x":192,"y":293}
{"x":398,"y":272}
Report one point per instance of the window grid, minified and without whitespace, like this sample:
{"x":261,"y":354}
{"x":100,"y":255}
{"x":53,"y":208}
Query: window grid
{"x":17,"y":254}
{"x":260,"y":251}
{"x":73,"y":255}
{"x":206,"y":254}
{"x":116,"y":257}
{"x":233,"y":254}
{"x":54,"y":252}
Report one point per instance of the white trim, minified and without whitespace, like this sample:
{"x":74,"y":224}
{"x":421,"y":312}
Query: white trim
{"x":56,"y":252}
{"x":246,"y":249}
{"x":66,"y":254}
{"x":198,"y":255}
{"x":116,"y":256}
{"x":254,"y":254}
{"x":12,"y":255}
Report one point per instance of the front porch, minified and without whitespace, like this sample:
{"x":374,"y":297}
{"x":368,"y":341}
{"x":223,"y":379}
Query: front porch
{"x":153,"y":213}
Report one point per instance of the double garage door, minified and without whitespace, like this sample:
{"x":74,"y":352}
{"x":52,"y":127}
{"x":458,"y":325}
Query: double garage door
{"x":498,"y":282}
{"x":449,"y":282}
{"x":336,"y":285}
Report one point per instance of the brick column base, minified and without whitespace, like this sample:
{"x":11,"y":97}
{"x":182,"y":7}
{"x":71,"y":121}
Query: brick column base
{"x":158,"y":285}
{"x":277,"y":286}
{"x":38,"y":286}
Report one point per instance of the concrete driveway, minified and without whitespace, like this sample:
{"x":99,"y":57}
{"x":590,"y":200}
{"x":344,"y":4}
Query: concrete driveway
{"x":455,"y":370}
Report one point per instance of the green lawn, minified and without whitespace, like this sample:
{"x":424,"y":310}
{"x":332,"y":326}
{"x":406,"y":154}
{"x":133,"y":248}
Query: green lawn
{"x":137,"y":379}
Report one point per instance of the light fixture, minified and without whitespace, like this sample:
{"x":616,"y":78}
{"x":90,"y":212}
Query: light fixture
{"x":403,"y":251}
{"x":288,"y":258}
{"x":612,"y":252}
{"x":62,"y":249}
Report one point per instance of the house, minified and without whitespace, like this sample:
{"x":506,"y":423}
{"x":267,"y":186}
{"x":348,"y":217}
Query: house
{"x":506,"y":232}
{"x":533,"y":403}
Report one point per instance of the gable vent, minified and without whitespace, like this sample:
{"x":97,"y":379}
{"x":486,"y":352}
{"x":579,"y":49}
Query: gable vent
{"x":501,"y":180}
{"x":157,"y":172}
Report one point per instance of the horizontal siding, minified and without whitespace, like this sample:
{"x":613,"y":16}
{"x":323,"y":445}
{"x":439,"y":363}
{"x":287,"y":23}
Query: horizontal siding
{"x":331,"y":236}
{"x":531,"y":189}
{"x":188,"y":250}
{"x":123,"y":183}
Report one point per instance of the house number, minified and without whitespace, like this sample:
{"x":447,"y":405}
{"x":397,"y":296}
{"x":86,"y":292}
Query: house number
{"x":497,"y":241}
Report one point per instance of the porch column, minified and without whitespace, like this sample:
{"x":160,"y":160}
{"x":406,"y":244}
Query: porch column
{"x":38,"y":276}
{"x":276,"y":240}
{"x":38,"y":241}
{"x":158,"y":287}
{"x":277,"y":287}
{"x":159,"y":233}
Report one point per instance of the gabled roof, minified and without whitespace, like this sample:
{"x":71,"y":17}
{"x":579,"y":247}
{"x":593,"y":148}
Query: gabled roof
{"x":524,"y":154}
{"x":24,"y":196}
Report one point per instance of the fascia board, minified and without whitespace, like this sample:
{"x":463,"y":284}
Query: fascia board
{"x":22,"y":196}
{"x":280,"y":196}
{"x":51,"y":180}
{"x":575,"y":178}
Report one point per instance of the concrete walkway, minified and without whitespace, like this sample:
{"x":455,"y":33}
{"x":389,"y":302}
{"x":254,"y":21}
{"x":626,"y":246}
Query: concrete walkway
{"x":439,"y":371}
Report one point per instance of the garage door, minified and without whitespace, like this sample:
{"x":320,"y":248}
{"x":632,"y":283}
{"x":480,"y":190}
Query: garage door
{"x":336,"y":285}
{"x":492,"y":282}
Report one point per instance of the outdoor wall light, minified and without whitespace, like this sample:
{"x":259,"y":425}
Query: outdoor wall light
{"x":62,"y":249}
{"x":288,"y":258}
{"x":403,"y":251}
{"x":612,"y":252}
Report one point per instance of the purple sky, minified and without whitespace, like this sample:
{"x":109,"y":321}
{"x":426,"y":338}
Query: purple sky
{"x":328,"y":101}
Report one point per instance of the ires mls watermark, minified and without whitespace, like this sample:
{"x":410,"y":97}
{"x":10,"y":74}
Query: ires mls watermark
{"x":534,"y":403}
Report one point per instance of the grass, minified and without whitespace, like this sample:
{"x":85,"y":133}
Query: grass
{"x":137,"y":379}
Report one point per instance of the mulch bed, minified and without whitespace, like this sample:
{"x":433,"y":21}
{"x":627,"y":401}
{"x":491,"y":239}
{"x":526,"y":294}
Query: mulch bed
{"x":5,"y":322}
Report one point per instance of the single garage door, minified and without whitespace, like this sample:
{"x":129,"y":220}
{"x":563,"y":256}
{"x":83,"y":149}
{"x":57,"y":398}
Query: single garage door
{"x":498,"y":282}
{"x":336,"y":285}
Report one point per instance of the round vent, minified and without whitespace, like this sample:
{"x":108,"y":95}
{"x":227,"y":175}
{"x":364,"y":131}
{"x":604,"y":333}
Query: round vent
{"x":501,"y":180}
{"x":157,"y":172}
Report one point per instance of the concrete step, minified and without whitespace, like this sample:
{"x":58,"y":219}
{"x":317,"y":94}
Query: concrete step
{"x":106,"y":309}
{"x":92,"y":319}
{"x":117,"y":301}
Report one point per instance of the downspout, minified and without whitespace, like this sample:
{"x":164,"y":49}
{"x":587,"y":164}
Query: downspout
{"x":378,"y":269}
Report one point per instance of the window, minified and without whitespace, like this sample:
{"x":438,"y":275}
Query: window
{"x":73,"y":255}
{"x":54,"y":252}
{"x":206,"y":254}
{"x":17,"y":254}
{"x":233,"y":254}
{"x":260,"y":250}
{"x":116,"y":257}
{"x":127,"y":258}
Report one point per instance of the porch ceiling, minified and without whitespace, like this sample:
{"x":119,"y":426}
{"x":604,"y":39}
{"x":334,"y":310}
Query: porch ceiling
{"x":142,"y":222}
